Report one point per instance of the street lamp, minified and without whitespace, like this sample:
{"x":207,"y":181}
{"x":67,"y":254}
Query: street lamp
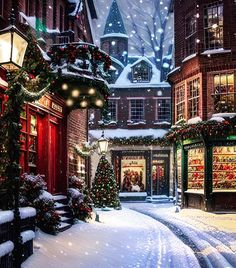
{"x":13,"y":45}
{"x":103,"y":144}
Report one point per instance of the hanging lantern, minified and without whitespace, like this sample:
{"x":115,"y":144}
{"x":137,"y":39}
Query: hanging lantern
{"x":103,"y":144}
{"x":13,"y":45}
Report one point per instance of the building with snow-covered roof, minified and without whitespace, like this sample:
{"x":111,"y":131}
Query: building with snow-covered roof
{"x":204,"y":103}
{"x":138,"y":115}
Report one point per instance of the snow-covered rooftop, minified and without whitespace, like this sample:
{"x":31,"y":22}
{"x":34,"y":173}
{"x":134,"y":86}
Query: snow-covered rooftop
{"x":127,"y":133}
{"x":78,"y":7}
{"x":115,"y":35}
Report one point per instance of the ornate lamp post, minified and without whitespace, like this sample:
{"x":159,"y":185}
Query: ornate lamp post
{"x":103,"y":144}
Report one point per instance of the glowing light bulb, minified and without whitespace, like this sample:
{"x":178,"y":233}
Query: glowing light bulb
{"x":75,"y":93}
{"x":69,"y":102}
{"x":83,"y":103}
{"x":91,"y":91}
{"x":64,"y":86}
{"x":99,"y":103}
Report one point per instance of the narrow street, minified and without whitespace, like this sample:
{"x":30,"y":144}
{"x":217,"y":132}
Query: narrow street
{"x":122,"y":238}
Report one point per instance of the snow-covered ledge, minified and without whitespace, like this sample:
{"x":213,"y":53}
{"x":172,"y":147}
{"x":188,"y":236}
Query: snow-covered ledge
{"x":27,"y":212}
{"x":6,"y":216}
{"x":194,"y":191}
{"x":194,"y":120}
{"x":6,"y":248}
{"x":216,"y":51}
{"x":231,"y":115}
{"x":189,"y":57}
{"x":124,"y":194}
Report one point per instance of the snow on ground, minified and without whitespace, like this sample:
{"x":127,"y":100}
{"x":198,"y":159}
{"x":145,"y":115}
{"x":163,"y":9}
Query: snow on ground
{"x":122,"y":238}
{"x":214,"y":235}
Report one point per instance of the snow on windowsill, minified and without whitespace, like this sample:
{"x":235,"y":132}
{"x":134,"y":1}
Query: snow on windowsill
{"x":224,"y":115}
{"x":161,"y":123}
{"x":216,"y":51}
{"x":130,"y":123}
{"x":224,"y":190}
{"x":6,"y":216}
{"x":189,"y":57}
{"x":27,"y":236}
{"x":27,"y":212}
{"x":194,"y":191}
{"x":6,"y":248}
{"x":194,"y":120}
{"x":124,"y":194}
{"x":217,"y":118}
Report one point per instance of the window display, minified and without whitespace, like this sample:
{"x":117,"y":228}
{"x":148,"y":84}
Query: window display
{"x":196,"y":168}
{"x":224,"y":168}
{"x":179,"y":168}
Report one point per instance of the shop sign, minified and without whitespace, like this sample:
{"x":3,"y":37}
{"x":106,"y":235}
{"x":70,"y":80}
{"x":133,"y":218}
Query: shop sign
{"x":56,"y":107}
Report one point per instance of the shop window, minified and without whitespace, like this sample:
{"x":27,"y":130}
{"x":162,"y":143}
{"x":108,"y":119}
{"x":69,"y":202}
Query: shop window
{"x":224,"y":93}
{"x":196,"y":168}
{"x":112,"y":106}
{"x":44,"y":10}
{"x":137,"y":110}
{"x":193,"y":98}
{"x":180,"y":102}
{"x":105,"y":46}
{"x":163,"y":110}
{"x":190,"y":34}
{"x":179,"y":168}
{"x":141,"y":73}
{"x":213,"y":25}
{"x":54,"y":14}
{"x":28,"y":140}
{"x":81,"y":167}
{"x":224,"y":168}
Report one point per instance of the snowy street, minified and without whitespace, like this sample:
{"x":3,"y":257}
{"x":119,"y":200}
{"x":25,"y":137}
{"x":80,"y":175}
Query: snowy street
{"x":122,"y":238}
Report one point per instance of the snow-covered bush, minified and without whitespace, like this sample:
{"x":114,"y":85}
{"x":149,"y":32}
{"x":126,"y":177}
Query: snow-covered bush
{"x":33,"y":193}
{"x":79,"y":199}
{"x":46,"y":219}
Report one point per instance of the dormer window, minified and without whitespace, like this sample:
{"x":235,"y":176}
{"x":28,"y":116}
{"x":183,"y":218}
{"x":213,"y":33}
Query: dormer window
{"x":141,"y":73}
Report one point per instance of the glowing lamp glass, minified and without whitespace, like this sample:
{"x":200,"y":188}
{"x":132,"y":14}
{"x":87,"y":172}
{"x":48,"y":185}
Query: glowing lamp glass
{"x":103,"y":145}
{"x":13,"y":45}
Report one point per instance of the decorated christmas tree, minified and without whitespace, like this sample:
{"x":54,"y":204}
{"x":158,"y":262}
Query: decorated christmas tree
{"x":104,"y":189}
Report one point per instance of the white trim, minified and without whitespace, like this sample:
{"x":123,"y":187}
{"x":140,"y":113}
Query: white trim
{"x":128,"y":194}
{"x":113,"y":98}
{"x":194,"y":191}
{"x":136,"y":98}
{"x":158,"y":98}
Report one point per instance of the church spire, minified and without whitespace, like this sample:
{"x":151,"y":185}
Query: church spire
{"x":114,"y":22}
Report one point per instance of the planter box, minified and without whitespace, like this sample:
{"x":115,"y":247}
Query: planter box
{"x":6,"y":258}
{"x":6,"y":226}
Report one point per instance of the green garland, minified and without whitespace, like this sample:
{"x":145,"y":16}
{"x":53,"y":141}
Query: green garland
{"x":86,"y":150}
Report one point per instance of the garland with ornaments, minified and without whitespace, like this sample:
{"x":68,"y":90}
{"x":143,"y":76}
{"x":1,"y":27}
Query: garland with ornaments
{"x":86,"y":149}
{"x":201,"y":130}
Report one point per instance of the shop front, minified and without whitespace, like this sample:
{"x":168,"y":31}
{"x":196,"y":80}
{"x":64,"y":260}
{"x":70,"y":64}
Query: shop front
{"x":142,"y":173}
{"x":207,"y":171}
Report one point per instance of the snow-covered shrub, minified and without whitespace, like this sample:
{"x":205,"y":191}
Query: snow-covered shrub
{"x":79,"y":199}
{"x":31,"y":187}
{"x":46,"y":219}
{"x":32,"y":193}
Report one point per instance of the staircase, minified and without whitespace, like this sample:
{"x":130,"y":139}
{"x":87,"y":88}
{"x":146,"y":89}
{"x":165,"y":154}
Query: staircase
{"x":64,"y":211}
{"x":158,"y":199}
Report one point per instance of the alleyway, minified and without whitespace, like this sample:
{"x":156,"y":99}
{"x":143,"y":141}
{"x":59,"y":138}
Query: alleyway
{"x":122,"y":238}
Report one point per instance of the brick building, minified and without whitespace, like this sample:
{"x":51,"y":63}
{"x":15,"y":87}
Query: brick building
{"x":203,"y":94}
{"x":139,"y":113}
{"x":49,"y":130}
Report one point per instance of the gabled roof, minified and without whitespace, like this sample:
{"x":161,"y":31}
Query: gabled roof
{"x":143,"y":58}
{"x":114,"y":22}
{"x":124,"y":81}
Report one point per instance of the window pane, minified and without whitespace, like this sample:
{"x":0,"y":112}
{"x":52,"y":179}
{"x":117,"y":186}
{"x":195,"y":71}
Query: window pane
{"x":163,"y":110}
{"x":137,"y":110}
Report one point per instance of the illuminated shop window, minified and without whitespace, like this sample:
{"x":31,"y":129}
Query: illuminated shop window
{"x":224,"y":93}
{"x":193,"y":98}
{"x":163,"y":110}
{"x":213,"y":25}
{"x":224,"y":168}
{"x":196,"y":169}
{"x":180,"y":102}
{"x":137,"y":110}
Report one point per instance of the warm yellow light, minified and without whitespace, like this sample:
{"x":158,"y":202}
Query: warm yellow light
{"x":64,"y":86}
{"x":84,"y":104}
{"x":69,"y":102}
{"x":99,"y":103}
{"x":75,"y":93}
{"x":214,"y":26}
{"x":91,"y":91}
{"x":13,"y":45}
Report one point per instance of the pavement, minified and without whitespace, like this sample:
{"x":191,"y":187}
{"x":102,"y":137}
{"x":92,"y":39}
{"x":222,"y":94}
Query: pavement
{"x":212,"y":236}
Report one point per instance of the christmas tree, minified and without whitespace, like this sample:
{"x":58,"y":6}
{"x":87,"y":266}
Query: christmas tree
{"x":104,"y":189}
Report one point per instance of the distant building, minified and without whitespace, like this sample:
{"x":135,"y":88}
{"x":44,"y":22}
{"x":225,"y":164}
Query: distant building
{"x":139,"y":113}
{"x":204,"y":103}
